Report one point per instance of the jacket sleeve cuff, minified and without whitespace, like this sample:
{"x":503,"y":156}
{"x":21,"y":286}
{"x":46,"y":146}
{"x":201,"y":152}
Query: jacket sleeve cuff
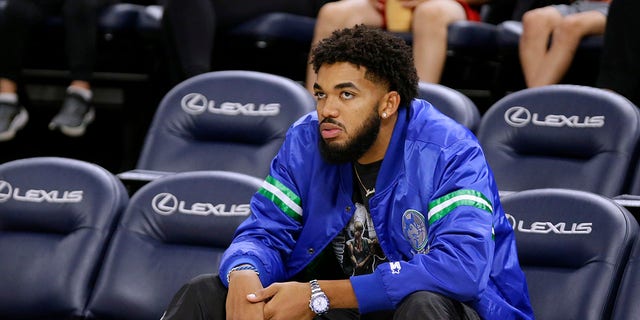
{"x":370,"y":292}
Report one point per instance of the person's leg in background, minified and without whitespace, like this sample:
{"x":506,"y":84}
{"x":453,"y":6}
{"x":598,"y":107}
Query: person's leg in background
{"x":80,"y":19}
{"x":338,"y":15}
{"x":17,"y":21}
{"x":620,"y":63}
{"x":190,"y":28}
{"x":429,"y":26}
{"x":537,"y":27}
{"x":544,"y":65}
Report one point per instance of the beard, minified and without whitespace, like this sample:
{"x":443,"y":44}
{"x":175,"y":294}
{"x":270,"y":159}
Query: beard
{"x":354,"y":148}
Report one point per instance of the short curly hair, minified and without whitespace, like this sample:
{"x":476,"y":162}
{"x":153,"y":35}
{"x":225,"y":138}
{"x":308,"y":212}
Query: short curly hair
{"x":387,"y":58}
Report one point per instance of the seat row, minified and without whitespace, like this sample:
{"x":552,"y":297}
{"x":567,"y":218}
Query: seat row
{"x":74,"y":245}
{"x":579,"y":252}
{"x":236,"y":120}
{"x":562,"y":136}
{"x":120,"y":26}
{"x":483,"y":55}
{"x":130,"y":34}
{"x":565,"y":136}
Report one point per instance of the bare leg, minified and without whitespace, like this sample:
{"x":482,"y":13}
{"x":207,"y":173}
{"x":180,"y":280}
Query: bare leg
{"x":8,"y":86}
{"x":338,"y":15}
{"x":565,"y":41}
{"x":81,"y":84}
{"x":430,"y":22}
{"x":537,"y":24}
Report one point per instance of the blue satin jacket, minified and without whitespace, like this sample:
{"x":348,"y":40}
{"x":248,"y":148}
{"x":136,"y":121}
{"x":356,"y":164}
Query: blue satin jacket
{"x":436,"y":212}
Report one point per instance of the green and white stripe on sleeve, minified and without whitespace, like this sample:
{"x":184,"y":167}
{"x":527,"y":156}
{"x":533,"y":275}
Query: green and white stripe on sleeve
{"x":440,"y":207}
{"x":282,"y":197}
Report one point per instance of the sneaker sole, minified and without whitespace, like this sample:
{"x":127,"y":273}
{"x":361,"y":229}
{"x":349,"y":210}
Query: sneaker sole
{"x":79,"y":130}
{"x":19,"y":121}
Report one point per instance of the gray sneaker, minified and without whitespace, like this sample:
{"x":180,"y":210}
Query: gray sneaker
{"x":12,"y":119}
{"x":74,"y":117}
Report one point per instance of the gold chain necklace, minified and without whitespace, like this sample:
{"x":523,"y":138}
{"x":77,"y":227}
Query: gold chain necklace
{"x":367,"y":191}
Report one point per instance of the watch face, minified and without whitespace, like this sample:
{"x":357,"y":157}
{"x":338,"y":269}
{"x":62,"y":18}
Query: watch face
{"x":320,"y":304}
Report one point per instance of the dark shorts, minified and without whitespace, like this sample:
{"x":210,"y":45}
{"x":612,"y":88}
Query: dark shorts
{"x":583,"y":6}
{"x":472,"y":12}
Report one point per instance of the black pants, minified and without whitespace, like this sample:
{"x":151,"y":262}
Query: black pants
{"x":192,"y":26}
{"x":620,"y":67}
{"x":80,"y":19}
{"x":204,"y":298}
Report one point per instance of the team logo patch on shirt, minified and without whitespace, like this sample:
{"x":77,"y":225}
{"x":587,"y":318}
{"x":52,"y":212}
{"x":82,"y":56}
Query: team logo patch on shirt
{"x":415,"y":230}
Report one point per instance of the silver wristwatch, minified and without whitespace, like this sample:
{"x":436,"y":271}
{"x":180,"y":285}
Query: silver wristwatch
{"x":319,"y":302}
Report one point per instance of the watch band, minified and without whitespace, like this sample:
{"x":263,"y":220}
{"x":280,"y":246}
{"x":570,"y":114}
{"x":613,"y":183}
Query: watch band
{"x":319,"y":302}
{"x":315,"y":287}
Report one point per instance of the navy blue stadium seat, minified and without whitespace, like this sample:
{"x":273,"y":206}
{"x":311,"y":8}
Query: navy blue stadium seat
{"x":150,"y":19}
{"x":471,"y":35}
{"x":277,"y":26}
{"x":573,"y":247}
{"x":276,"y":42}
{"x":452,"y":103}
{"x":626,"y":305}
{"x":121,"y":16}
{"x":175,"y":228}
{"x":223,"y":120}
{"x":117,"y":16}
{"x":563,"y":136}
{"x":269,"y":27}
{"x":56,"y":218}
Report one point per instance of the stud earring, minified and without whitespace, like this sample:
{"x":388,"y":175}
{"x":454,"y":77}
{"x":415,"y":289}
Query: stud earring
{"x":384,"y":115}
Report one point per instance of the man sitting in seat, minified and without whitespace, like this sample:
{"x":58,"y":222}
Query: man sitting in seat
{"x":372,"y":156}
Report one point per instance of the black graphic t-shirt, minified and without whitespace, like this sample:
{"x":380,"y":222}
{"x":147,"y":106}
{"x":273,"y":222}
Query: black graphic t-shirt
{"x":356,"y":247}
{"x":355,"y":250}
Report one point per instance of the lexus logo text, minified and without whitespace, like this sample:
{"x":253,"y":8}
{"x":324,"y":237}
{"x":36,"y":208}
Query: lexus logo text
{"x":519,"y":116}
{"x":167,"y":204}
{"x":5,"y":191}
{"x":38,"y":195}
{"x":196,"y":104}
{"x":545,"y":227}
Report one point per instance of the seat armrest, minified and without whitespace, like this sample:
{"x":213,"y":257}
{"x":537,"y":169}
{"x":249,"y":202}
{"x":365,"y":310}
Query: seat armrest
{"x":504,"y":193}
{"x":136,"y":178}
{"x":630,"y":202}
